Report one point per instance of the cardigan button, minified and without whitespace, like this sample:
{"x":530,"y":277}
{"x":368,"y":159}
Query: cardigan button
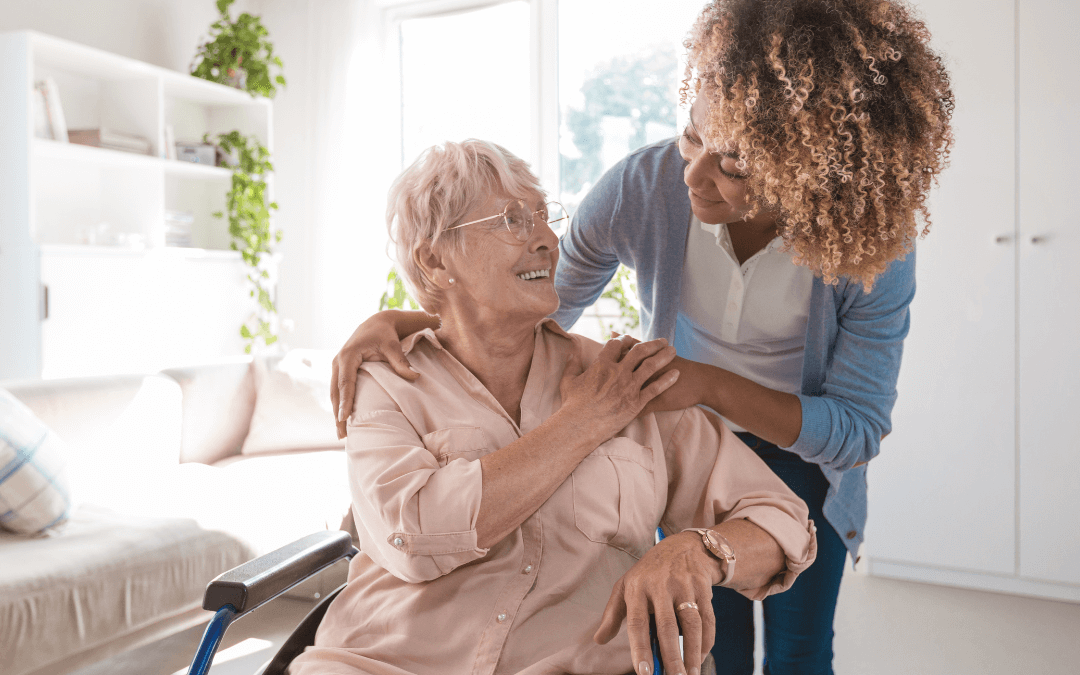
{"x":398,"y":541}
{"x":852,"y":534}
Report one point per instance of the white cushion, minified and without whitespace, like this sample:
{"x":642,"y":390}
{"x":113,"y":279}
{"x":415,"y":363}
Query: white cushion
{"x":33,"y":488}
{"x":292,"y":404}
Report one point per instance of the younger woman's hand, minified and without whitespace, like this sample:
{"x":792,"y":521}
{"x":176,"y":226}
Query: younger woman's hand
{"x":611,"y":392}
{"x":374,"y":340}
{"x":685,"y":393}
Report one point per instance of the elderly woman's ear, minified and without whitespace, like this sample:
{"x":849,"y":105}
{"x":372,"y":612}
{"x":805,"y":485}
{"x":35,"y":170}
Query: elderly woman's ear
{"x":433,"y":266}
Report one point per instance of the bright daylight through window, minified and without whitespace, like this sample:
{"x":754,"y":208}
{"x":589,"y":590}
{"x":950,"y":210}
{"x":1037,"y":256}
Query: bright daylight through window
{"x":467,"y":74}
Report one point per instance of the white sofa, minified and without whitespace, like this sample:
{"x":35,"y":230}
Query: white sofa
{"x":177,"y":476}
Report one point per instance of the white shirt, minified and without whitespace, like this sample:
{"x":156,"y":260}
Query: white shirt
{"x":749,"y":319}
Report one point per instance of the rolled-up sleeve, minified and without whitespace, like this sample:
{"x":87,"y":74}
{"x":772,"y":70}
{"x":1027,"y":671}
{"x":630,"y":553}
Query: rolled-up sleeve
{"x":738,"y":485}
{"x":415,"y":518}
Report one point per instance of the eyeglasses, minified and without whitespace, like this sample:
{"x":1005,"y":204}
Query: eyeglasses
{"x":519,"y":219}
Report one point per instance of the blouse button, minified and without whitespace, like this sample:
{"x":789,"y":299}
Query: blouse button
{"x":501,"y":617}
{"x":852,"y":534}
{"x":398,"y":541}
{"x":528,"y":569}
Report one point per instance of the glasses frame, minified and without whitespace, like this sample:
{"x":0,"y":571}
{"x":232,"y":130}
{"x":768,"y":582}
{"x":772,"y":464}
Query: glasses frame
{"x":532,"y":215}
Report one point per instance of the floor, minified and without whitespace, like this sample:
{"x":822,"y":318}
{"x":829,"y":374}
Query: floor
{"x":883,"y":627}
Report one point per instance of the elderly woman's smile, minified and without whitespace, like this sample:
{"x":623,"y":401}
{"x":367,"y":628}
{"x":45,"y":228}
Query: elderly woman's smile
{"x":497,"y":273}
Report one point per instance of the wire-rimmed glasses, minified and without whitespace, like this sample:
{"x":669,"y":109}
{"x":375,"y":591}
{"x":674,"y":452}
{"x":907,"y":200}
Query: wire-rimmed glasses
{"x":519,"y":220}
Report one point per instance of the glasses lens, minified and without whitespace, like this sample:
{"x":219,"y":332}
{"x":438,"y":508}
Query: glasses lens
{"x":518,"y":220}
{"x":556,"y":217}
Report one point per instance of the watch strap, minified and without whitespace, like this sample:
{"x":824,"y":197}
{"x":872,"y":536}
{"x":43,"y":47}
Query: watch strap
{"x":719,"y":547}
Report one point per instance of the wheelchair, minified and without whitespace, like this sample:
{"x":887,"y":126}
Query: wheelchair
{"x":244,"y":589}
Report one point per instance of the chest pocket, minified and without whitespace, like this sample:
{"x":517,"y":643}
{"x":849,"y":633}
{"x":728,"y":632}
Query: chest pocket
{"x":615,"y":496}
{"x":452,"y":443}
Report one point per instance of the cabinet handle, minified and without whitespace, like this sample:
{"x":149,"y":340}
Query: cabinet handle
{"x":1003,"y":239}
{"x":1038,"y":239}
{"x":44,"y":301}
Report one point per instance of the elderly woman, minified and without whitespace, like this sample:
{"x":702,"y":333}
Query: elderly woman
{"x":507,"y":499}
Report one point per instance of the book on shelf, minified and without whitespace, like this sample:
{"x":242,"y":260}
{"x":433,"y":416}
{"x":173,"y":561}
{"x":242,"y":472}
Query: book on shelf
{"x":42,"y":129}
{"x":170,"y":142}
{"x":111,"y":139}
{"x":50,"y":122}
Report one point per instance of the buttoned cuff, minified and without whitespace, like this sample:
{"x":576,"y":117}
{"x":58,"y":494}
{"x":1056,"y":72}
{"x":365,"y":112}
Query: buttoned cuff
{"x":794,"y":566}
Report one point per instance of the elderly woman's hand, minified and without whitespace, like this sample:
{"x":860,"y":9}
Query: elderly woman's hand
{"x":611,"y":392}
{"x":674,"y":582}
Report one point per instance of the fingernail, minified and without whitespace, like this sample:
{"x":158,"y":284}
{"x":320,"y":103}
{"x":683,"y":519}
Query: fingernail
{"x":414,"y":370}
{"x":694,"y":671}
{"x":644,"y":668}
{"x":341,"y":412}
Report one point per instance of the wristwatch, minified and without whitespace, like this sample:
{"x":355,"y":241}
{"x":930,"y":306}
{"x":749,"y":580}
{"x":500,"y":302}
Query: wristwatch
{"x":719,"y":547}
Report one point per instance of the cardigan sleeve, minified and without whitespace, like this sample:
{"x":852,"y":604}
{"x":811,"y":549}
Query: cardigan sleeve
{"x":587,"y":256}
{"x":843,"y":424}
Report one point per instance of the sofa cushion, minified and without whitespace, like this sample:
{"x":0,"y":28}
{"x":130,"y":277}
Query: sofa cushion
{"x":33,"y":486}
{"x":219,"y":400}
{"x":292,"y":404}
{"x":104,"y":576}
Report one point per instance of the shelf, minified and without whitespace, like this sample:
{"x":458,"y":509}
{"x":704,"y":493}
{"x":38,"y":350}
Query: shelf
{"x":171,"y":251}
{"x":74,"y":152}
{"x":190,"y":169}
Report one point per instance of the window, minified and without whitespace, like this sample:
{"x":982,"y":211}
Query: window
{"x":571,"y":87}
{"x":466,"y":75}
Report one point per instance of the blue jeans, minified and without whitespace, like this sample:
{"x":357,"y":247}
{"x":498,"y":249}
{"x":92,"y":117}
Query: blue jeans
{"x":799,"y":621}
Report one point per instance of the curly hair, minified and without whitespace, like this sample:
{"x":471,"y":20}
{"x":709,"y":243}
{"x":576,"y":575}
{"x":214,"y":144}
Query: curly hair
{"x":840,"y":112}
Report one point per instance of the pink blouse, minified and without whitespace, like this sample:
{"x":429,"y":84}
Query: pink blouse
{"x":424,"y":598}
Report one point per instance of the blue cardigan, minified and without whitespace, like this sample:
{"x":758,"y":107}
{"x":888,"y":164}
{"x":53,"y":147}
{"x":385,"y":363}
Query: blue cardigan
{"x":638,"y":214}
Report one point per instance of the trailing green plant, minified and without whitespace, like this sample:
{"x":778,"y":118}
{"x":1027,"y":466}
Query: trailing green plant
{"x":396,"y":296}
{"x":248,"y":210}
{"x":621,"y":288}
{"x":239,"y":54}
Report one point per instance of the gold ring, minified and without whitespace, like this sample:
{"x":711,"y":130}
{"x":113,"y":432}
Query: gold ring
{"x":686,"y":605}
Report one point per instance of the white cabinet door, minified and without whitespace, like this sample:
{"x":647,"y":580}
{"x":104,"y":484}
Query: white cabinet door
{"x":1049,"y":285}
{"x":139,"y":312}
{"x":942,"y":490}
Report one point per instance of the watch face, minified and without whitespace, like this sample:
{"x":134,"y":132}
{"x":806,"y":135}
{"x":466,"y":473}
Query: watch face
{"x":719,"y":545}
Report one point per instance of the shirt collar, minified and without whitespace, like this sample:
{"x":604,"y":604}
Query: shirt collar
{"x":409,"y":343}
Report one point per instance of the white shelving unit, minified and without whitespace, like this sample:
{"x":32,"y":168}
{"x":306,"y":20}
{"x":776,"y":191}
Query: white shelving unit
{"x":87,"y":284}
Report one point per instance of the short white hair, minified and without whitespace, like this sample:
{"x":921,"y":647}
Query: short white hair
{"x":435,"y":193}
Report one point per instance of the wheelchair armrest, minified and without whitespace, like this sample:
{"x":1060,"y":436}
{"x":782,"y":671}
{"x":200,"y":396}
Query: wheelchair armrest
{"x":264,"y":578}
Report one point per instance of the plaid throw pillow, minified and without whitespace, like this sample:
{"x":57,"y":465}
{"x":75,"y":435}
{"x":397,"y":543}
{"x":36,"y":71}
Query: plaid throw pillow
{"x":33,"y":490}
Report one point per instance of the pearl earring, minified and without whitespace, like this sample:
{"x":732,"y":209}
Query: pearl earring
{"x":451,"y":280}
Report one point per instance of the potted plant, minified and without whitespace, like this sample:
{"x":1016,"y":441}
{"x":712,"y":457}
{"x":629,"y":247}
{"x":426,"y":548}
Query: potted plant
{"x":239,"y":54}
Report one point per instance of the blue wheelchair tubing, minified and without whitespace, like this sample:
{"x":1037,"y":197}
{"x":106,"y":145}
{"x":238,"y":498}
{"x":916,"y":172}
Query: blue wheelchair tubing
{"x":215,"y":630}
{"x":654,"y":640}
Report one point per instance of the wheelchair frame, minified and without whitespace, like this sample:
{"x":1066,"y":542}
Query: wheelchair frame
{"x":244,"y":589}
